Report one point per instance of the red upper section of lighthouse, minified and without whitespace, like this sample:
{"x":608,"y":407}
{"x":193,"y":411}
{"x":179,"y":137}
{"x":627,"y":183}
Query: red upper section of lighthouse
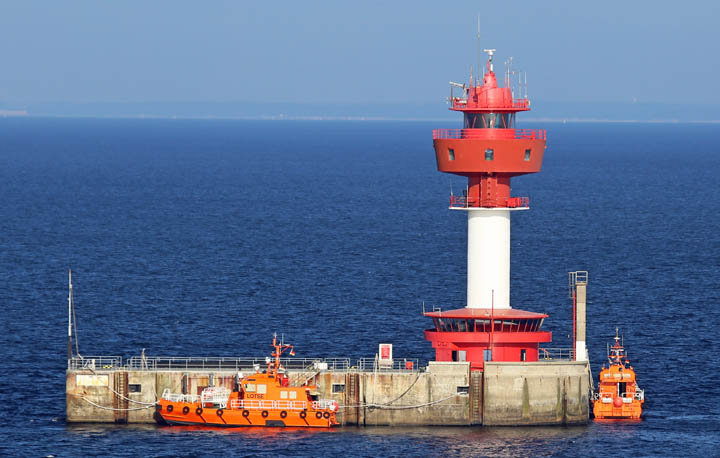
{"x":488,"y":149}
{"x":489,"y":97}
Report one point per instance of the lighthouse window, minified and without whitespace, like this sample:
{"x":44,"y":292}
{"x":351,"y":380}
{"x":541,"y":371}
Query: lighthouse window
{"x":489,"y":121}
{"x":527,"y":155}
{"x":451,"y":154}
{"x":489,"y":154}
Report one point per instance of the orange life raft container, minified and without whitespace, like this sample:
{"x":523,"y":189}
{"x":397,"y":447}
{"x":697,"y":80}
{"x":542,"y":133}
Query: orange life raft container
{"x":264,"y":398}
{"x":618,"y":395}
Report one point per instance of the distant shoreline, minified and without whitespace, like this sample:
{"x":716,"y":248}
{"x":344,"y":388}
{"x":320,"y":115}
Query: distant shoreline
{"x":25,"y":114}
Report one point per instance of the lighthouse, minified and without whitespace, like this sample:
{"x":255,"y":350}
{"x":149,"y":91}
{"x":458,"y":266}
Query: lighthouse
{"x":489,"y":150}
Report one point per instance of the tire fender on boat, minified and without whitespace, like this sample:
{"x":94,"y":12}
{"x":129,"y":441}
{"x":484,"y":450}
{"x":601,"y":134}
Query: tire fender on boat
{"x":318,"y":415}
{"x":326,"y":415}
{"x":199,"y":411}
{"x":265,"y":413}
{"x":303,"y":414}
{"x":283,"y":414}
{"x":220,"y":412}
{"x":246,"y":413}
{"x":169,"y":408}
{"x":186,"y":409}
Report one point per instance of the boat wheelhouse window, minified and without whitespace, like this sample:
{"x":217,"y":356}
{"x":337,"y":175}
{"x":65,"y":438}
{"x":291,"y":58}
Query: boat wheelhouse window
{"x":283,"y":395}
{"x":462,"y":355}
{"x":451,"y":154}
{"x":261,"y":388}
{"x":527,"y":155}
{"x":489,"y":121}
{"x":523,"y":355}
{"x":489,"y":154}
{"x":250,"y":387}
{"x":487,"y":355}
{"x":293,"y":395}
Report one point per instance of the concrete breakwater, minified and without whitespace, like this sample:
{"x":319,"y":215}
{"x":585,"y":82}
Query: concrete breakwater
{"x":552,"y":392}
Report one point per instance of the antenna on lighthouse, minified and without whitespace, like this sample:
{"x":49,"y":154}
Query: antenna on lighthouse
{"x":490,"y":52}
{"x":478,"y":47}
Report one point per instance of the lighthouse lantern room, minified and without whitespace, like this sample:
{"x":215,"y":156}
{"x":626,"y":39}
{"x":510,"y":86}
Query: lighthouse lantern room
{"x":489,"y":151}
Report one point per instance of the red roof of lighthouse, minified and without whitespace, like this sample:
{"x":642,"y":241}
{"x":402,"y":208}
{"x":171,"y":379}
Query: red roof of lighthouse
{"x":488,"y":96}
{"x":473,"y":313}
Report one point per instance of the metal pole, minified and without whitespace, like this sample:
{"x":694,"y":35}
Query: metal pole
{"x":69,"y":341}
{"x":492,"y":325}
{"x":574,"y":339}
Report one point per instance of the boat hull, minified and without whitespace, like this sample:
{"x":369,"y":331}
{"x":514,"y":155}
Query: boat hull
{"x":193,"y":414}
{"x":627,"y":411}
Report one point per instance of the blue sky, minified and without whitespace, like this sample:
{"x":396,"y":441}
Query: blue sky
{"x":352,"y":52}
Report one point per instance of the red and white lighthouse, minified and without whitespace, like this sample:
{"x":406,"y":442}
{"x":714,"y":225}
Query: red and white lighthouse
{"x":489,"y":151}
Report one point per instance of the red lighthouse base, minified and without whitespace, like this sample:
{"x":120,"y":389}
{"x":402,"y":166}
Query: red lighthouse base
{"x":479,"y":335}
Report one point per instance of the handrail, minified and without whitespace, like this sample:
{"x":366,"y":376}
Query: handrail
{"x":397,"y":364}
{"x":469,"y":202}
{"x":160,"y":363}
{"x":95,"y":362}
{"x":458,"y":102}
{"x":257,"y":404}
{"x":520,"y":134}
{"x":556,"y":353}
{"x":222,"y":363}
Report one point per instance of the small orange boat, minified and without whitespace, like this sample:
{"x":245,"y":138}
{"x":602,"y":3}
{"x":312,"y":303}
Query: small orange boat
{"x":618,"y":395}
{"x":261,"y":399}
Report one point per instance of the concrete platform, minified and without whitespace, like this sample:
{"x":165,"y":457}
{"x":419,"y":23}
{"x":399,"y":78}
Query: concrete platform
{"x":443,"y":393}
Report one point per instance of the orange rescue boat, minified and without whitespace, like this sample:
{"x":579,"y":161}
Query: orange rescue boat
{"x":618,"y":395}
{"x":261,"y":399}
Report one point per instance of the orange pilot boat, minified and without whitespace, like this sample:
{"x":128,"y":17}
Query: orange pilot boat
{"x":618,"y":395}
{"x":264,"y":398}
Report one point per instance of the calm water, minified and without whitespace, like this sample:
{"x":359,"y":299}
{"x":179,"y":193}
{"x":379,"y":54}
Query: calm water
{"x":204,"y":237}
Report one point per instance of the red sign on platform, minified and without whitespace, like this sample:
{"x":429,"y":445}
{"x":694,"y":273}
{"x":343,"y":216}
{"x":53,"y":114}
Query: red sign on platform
{"x":385,"y":352}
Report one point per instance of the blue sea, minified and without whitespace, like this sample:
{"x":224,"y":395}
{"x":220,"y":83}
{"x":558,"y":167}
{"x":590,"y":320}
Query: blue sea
{"x":204,"y":237}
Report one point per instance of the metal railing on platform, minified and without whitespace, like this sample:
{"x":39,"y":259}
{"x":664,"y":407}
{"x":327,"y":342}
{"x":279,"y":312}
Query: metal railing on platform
{"x":519,"y":134}
{"x":459,"y":103}
{"x":95,"y":363}
{"x":396,"y":365}
{"x":564,"y":354}
{"x":235,"y":364}
{"x":470,"y":202}
{"x":303,"y":365}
